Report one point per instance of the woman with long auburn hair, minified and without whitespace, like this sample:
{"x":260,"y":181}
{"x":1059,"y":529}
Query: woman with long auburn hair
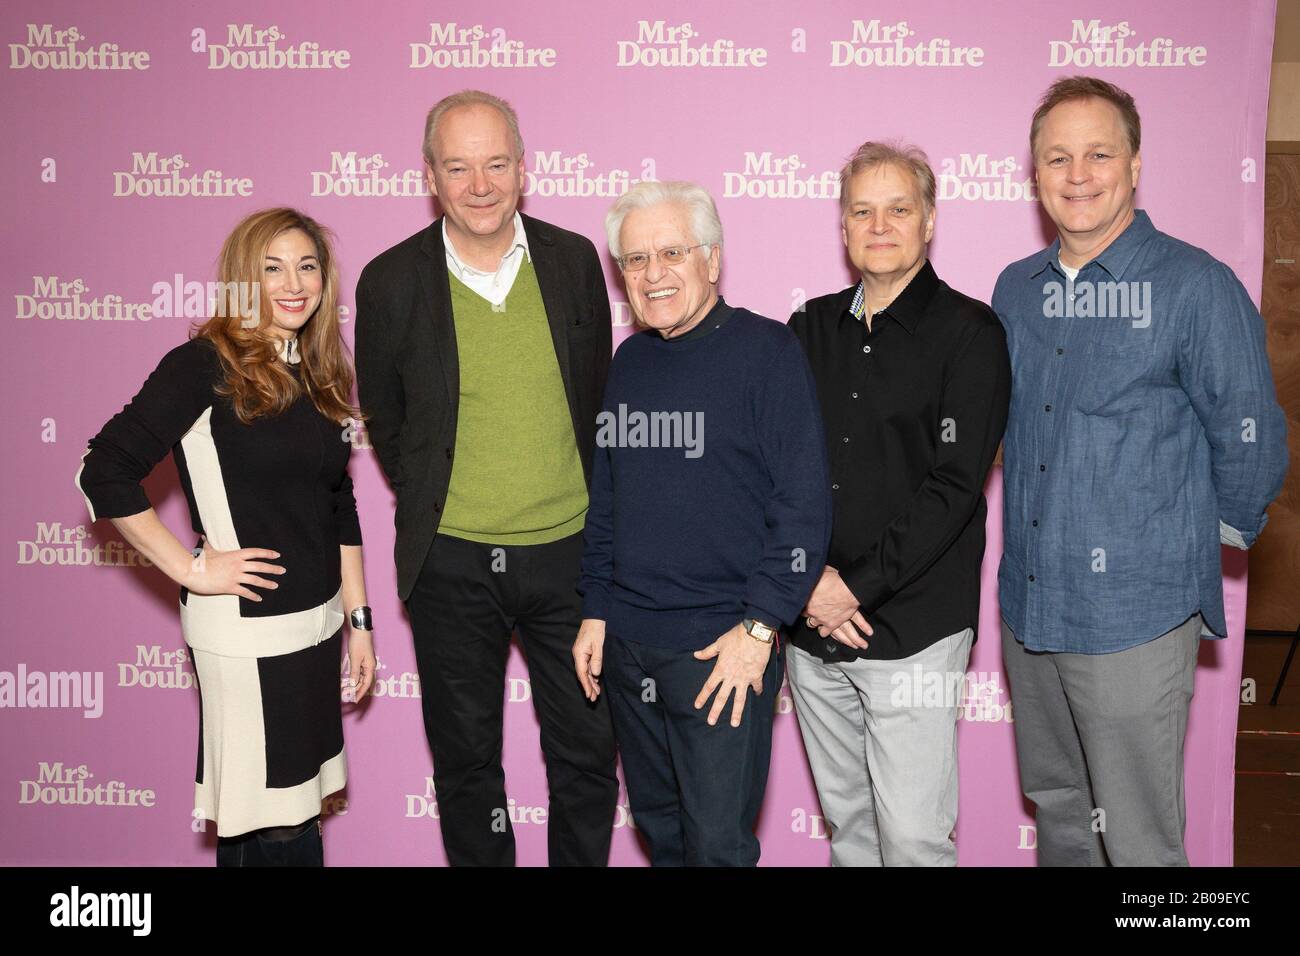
{"x":254,"y":409}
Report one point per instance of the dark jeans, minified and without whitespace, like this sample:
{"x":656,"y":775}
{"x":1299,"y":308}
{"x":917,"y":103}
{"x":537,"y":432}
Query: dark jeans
{"x":275,"y":846}
{"x":695,"y":790}
{"x":468,"y":599}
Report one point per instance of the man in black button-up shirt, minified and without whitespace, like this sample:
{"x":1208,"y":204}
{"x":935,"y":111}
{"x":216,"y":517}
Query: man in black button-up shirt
{"x":914,"y":382}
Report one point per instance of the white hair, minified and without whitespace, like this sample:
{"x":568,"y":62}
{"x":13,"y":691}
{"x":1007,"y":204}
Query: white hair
{"x":706,"y":228}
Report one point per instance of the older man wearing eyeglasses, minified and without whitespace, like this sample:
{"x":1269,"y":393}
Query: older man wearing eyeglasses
{"x":709,"y":521}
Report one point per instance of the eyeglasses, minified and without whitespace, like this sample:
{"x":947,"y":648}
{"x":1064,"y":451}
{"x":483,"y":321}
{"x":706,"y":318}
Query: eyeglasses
{"x":672,"y":256}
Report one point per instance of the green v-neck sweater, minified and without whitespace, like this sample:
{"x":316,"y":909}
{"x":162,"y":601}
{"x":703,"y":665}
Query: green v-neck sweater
{"x":516,"y":477}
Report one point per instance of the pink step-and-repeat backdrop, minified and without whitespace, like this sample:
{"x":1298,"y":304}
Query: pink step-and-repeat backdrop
{"x":139,"y":133}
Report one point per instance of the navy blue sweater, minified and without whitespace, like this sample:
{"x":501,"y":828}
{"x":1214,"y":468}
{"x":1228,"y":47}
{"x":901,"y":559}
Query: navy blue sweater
{"x":718,"y":507}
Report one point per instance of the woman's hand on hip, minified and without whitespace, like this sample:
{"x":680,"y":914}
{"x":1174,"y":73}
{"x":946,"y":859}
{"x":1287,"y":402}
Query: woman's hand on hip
{"x":232,"y":572}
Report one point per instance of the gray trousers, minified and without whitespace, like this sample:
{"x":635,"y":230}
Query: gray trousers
{"x":1099,"y":738}
{"x":881,"y":738}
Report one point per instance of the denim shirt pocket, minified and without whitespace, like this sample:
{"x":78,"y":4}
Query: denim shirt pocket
{"x":1121,"y":366}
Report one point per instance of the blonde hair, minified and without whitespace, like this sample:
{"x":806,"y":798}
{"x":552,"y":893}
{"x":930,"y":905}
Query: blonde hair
{"x":872,"y":154}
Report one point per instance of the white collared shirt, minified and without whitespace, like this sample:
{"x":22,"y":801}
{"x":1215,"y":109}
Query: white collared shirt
{"x":493,"y":286}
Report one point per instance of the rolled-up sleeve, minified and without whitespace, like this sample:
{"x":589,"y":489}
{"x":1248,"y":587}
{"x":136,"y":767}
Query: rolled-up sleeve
{"x":134,"y":440}
{"x":1224,"y":369}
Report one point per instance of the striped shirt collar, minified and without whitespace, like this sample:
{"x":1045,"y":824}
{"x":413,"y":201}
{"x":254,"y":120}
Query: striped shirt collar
{"x":909,"y":305}
{"x":859,"y":304}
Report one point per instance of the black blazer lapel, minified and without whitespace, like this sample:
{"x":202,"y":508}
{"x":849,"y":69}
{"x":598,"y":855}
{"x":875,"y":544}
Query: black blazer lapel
{"x":437,"y":305}
{"x":541,"y":247}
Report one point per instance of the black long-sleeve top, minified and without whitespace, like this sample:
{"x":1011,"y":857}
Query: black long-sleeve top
{"x":280,"y":482}
{"x":914,"y":411}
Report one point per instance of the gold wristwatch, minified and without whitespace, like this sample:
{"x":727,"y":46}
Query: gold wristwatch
{"x":759,"y":631}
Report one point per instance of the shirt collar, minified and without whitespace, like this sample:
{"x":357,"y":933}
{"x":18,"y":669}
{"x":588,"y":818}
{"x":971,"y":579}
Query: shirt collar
{"x":1115,"y":258}
{"x":287,"y":349}
{"x":909,"y":305}
{"x":462,"y":269}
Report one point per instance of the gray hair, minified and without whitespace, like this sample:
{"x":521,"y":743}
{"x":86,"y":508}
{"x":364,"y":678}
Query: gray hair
{"x":706,"y":227}
{"x":871,"y":154}
{"x":470,"y":98}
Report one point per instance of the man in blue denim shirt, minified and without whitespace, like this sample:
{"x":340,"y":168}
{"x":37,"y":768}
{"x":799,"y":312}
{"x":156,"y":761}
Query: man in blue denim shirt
{"x":1144,"y":430}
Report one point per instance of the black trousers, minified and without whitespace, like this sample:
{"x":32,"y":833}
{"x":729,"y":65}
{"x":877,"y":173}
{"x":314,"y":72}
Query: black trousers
{"x":695,"y":790}
{"x":468,"y":599}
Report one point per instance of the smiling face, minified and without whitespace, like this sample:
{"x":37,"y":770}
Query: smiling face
{"x":886,"y":226}
{"x":476,"y":173}
{"x":672,"y":299}
{"x":292,"y":280}
{"x":1086,"y":174}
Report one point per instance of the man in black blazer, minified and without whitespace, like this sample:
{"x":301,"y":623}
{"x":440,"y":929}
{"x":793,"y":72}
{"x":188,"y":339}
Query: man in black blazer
{"x":482,"y":346}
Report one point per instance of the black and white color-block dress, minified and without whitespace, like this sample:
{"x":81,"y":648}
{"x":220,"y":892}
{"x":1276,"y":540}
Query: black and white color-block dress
{"x":271,"y":729}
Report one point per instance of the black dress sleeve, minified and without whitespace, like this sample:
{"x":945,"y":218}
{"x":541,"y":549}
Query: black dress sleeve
{"x":134,"y":440}
{"x":345,"y":511}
